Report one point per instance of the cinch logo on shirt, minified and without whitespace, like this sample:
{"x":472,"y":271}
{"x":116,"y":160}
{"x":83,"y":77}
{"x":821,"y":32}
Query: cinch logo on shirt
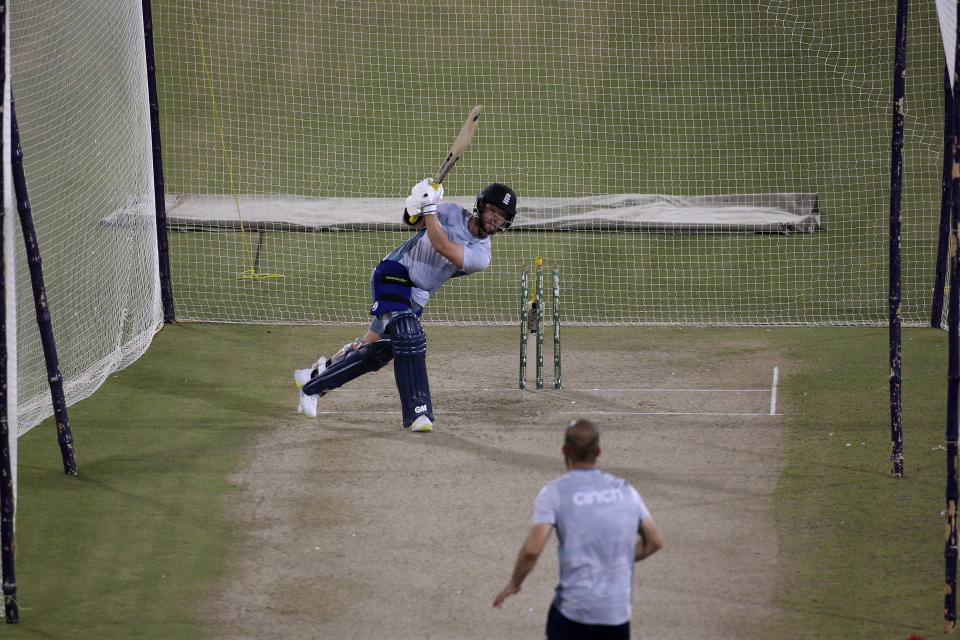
{"x":583,"y":498}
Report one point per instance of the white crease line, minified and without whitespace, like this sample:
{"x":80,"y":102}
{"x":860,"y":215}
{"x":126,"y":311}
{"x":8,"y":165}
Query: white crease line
{"x":570,"y":413}
{"x":375,"y":413}
{"x":659,"y":413}
{"x":773,"y":400}
{"x":550,"y":388}
{"x":773,"y":392}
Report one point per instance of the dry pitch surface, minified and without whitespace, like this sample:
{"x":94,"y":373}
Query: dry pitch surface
{"x":350,"y":527}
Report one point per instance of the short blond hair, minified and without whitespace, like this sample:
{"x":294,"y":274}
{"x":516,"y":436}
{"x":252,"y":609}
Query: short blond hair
{"x":582,"y":441}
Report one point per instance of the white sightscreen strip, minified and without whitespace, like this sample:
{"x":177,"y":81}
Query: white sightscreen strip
{"x":947,"y":13}
{"x":745,"y":213}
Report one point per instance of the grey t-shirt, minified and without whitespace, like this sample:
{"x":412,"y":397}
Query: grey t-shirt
{"x":596,"y":516}
{"x":427,"y":268}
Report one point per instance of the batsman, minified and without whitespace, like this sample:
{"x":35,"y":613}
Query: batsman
{"x":451,"y":242}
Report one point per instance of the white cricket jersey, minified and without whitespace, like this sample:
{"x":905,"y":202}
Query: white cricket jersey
{"x":427,"y":268}
{"x":596,"y":516}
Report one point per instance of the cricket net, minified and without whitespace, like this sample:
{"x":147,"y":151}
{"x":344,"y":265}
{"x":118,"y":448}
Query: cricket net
{"x":287,"y":125}
{"x":80,"y":93}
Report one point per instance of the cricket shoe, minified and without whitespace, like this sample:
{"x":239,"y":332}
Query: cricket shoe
{"x":308,"y":405}
{"x":422,"y":424}
{"x":303,"y":376}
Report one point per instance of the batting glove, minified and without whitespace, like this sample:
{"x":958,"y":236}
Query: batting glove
{"x":423,"y":198}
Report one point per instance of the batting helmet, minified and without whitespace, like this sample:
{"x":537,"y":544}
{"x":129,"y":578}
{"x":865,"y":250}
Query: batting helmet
{"x":502,"y":196}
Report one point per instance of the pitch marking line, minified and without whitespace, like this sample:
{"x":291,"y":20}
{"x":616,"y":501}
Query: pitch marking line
{"x":772,"y":391}
{"x":565,"y":413}
{"x":641,"y":389}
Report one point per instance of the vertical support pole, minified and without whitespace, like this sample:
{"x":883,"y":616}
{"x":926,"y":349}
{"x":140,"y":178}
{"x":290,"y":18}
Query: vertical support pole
{"x":953,"y":374}
{"x":896,"y":185}
{"x":256,"y":261}
{"x":556,"y":327}
{"x":64,"y":437}
{"x":953,"y":382}
{"x":7,"y":487}
{"x":524,"y":328}
{"x":8,"y":502}
{"x":166,"y":287}
{"x":946,"y":189}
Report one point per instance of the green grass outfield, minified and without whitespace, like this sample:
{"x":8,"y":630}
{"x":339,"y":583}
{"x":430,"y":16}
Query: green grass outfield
{"x":129,"y":548}
{"x":611,"y":278}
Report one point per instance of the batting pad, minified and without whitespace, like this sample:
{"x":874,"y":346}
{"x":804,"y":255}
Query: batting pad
{"x":410,"y":366}
{"x":353,"y":364}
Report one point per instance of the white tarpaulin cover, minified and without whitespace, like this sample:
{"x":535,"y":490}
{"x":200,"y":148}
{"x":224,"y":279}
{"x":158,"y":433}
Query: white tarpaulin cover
{"x":787,"y":212}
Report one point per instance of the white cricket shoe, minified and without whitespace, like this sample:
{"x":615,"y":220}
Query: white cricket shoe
{"x":308,"y":405}
{"x":302,"y":377}
{"x":422,"y":425}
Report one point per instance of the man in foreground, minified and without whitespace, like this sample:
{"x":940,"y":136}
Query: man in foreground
{"x":603,"y":529}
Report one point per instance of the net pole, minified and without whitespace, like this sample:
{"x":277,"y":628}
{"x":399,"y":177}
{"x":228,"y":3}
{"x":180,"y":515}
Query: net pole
{"x":7,"y":491}
{"x":896,"y":188}
{"x":953,"y":375}
{"x":163,"y":247}
{"x":7,"y":483}
{"x":64,"y":436}
{"x":943,"y":243}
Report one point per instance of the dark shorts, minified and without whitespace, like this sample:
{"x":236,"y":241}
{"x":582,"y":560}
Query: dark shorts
{"x":559,"y":627}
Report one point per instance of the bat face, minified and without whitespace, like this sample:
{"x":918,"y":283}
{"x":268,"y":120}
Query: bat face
{"x":460,"y":144}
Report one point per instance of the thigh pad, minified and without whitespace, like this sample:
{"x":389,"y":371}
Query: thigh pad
{"x":391,"y":288}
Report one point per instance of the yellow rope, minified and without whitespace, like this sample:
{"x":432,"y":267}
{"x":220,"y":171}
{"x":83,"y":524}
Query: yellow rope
{"x":252,"y":272}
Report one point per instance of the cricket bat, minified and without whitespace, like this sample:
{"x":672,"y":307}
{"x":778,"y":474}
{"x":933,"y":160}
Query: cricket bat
{"x":456,"y":150}
{"x":460,"y":144}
